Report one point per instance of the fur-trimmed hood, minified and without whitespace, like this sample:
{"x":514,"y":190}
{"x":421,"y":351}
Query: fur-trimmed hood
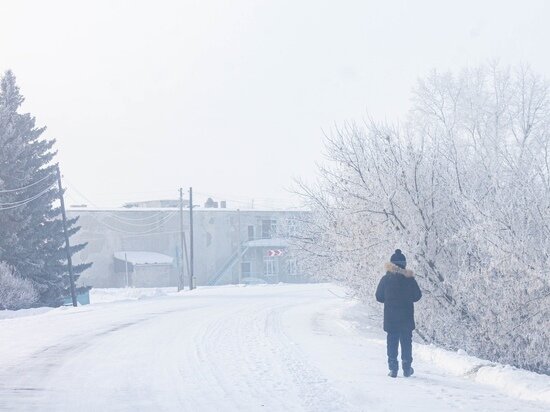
{"x":391,"y":267}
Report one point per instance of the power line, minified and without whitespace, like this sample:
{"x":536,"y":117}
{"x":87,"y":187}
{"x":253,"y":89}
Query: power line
{"x":151,"y":231}
{"x":170,"y":232}
{"x":19,"y":189}
{"x":122,"y":195}
{"x":256,"y":202}
{"x":271,"y":203}
{"x":139,"y":219}
{"x":156,"y":223}
{"x":149,"y":224}
{"x":126,"y":221}
{"x":20,"y":203}
{"x":126,"y":232}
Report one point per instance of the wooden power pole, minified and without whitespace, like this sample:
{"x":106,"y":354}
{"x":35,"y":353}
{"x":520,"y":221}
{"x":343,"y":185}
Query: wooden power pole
{"x":67,"y":244}
{"x":239,"y":250}
{"x":182,"y":244}
{"x":191,"y":255}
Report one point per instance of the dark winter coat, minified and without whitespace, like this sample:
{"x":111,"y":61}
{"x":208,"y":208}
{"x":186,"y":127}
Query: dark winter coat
{"x":398,"y":291}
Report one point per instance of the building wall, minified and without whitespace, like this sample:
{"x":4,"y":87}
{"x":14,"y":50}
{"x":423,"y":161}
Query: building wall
{"x":152,"y":276}
{"x":216,"y":235}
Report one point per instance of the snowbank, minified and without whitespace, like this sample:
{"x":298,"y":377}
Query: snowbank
{"x":116,"y":294}
{"x":515,"y":382}
{"x":21,"y":313}
{"x":96,"y":296}
{"x":107,"y":295}
{"x":456,"y":363}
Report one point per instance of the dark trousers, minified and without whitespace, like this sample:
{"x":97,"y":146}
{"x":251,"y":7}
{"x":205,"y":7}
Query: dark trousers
{"x":405,"y":337}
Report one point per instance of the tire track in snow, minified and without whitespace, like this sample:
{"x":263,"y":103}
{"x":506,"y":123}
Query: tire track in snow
{"x":230,"y":357}
{"x":27,"y":386}
{"x":266,"y":368}
{"x":314,"y":389}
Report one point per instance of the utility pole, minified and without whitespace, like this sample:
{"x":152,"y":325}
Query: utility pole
{"x":185,"y":251}
{"x":67,"y":244}
{"x":239,"y":250}
{"x":191,"y":268}
{"x":126,"y":267}
{"x":181,"y":284}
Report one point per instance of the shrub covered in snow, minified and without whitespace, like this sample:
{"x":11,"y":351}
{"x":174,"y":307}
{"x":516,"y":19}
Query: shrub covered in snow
{"x":463,"y":187}
{"x":15,"y":292}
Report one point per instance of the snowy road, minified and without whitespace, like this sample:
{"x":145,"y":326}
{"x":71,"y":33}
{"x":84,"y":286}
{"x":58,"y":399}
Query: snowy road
{"x":272,"y":348}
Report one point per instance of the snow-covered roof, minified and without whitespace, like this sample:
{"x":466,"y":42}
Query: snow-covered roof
{"x":144,"y":258}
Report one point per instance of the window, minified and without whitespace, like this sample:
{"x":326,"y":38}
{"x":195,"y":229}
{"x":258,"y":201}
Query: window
{"x":245,"y":269}
{"x":250,"y":232}
{"x":269,"y":228}
{"x":292,"y":227}
{"x":292,"y":267}
{"x":270,"y":267}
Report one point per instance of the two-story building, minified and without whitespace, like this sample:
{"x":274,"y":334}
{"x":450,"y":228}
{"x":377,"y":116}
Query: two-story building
{"x":146,"y":245}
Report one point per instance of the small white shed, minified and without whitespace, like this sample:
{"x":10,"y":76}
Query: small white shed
{"x":145,"y":269}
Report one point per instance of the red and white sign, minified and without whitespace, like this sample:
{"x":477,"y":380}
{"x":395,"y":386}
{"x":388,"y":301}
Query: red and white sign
{"x":275,"y":252}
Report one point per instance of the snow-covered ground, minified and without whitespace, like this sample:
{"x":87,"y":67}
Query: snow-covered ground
{"x":116,"y":294}
{"x":265,"y":347}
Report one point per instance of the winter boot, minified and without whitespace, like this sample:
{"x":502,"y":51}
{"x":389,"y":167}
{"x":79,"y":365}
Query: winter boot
{"x":408,"y":371}
{"x":392,"y":373}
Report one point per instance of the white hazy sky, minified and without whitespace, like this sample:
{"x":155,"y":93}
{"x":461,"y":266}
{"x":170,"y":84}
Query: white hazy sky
{"x":231,"y":97}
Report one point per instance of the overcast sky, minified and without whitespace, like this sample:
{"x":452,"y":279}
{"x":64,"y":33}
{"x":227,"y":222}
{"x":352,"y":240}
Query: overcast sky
{"x":231,"y":97}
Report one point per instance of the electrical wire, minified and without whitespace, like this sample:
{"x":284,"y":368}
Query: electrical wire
{"x":151,"y":231}
{"x":26,"y":201}
{"x":144,"y":225}
{"x":139,"y":219}
{"x":20,"y":202}
{"x":268,"y":203}
{"x":156,"y":223}
{"x":152,"y":227}
{"x":126,"y":221}
{"x":19,"y":189}
{"x":126,"y":232}
{"x":151,"y":234}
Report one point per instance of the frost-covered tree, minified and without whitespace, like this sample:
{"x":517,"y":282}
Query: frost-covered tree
{"x":463,"y":185}
{"x":31,"y":232}
{"x":15,"y":292}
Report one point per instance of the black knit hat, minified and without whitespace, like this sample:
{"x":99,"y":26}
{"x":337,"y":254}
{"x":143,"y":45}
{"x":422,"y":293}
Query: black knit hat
{"x":399,"y":259}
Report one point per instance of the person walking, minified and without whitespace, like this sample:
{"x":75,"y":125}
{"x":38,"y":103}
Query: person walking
{"x":398,"y":291}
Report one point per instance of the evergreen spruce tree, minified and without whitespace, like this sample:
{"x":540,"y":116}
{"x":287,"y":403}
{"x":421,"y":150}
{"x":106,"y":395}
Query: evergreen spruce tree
{"x":31,"y":231}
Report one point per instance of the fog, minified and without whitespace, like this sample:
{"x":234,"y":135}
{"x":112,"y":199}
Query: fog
{"x":233,"y":97}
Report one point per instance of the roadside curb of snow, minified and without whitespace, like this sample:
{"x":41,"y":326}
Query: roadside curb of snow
{"x":519,"y":383}
{"x":516,"y":382}
{"x":109,"y":295}
{"x":23,"y":313}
